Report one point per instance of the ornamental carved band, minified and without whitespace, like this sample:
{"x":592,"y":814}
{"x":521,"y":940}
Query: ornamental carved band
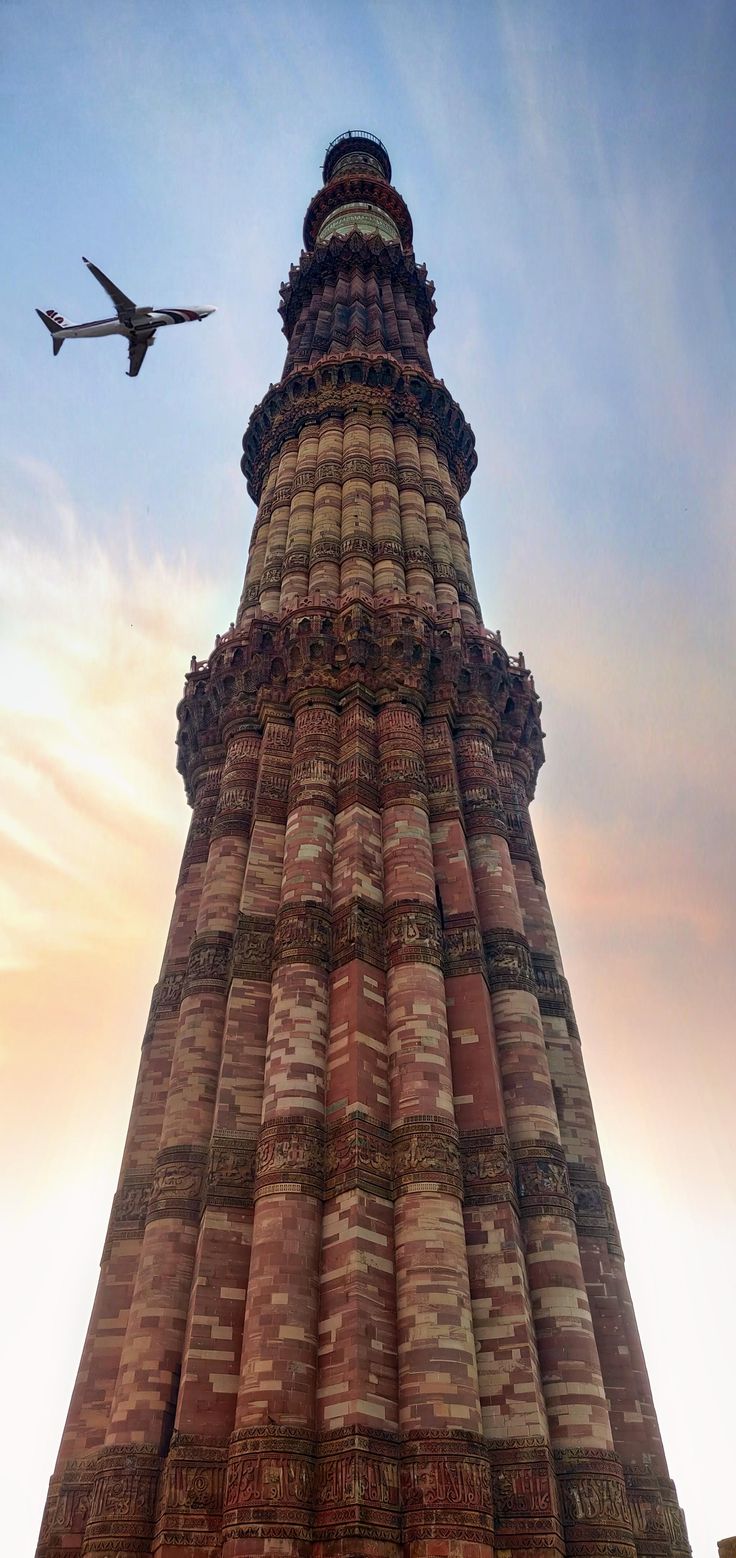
{"x":369,"y":255}
{"x":445,"y":1485}
{"x":358,"y":1157}
{"x":594,"y":1215}
{"x":229,"y":1181}
{"x":542,"y":1180}
{"x":553,"y":991}
{"x":444,"y":799}
{"x":658,"y":1522}
{"x":426,"y":1156}
{"x":312,"y":783}
{"x":357,"y":932}
{"x":657,"y":1519}
{"x":525,"y":1499}
{"x":289,"y":1156}
{"x":402,"y":778}
{"x":192,"y":1491}
{"x":357,"y":782}
{"x":166,"y":999}
{"x":595,"y":1508}
{"x":67,"y":1509}
{"x":270,"y":1484}
{"x":234,"y":812}
{"x":488,"y":1175}
{"x":123,"y":1501}
{"x":129,"y":1209}
{"x":357,"y":1486}
{"x":340,"y":649}
{"x":177,"y":1184}
{"x":197,"y":846}
{"x":463,"y":946}
{"x":208,"y":971}
{"x":253,"y":948}
{"x":509,"y":961}
{"x":483,"y":812}
{"x":303,"y":935}
{"x":413,"y":935}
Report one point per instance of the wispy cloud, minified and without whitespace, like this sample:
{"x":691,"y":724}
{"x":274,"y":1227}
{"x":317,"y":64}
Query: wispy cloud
{"x":95,"y":639}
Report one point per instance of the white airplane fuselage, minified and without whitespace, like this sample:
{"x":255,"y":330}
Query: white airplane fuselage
{"x":145,"y":319}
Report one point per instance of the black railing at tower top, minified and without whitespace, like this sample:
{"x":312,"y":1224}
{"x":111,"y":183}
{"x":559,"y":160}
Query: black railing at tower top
{"x":355,"y":137}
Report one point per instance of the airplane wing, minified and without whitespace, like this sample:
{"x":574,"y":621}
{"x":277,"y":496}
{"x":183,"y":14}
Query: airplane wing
{"x":123,"y":304}
{"x":137,"y":347}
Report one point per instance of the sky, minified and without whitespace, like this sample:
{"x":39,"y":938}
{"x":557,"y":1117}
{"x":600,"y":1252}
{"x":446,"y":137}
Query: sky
{"x":569,"y":169}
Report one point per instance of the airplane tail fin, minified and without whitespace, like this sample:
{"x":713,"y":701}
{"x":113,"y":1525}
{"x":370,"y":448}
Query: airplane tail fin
{"x":55,"y":323}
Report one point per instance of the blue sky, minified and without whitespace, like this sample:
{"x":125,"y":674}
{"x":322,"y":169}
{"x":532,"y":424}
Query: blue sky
{"x":569,"y":169}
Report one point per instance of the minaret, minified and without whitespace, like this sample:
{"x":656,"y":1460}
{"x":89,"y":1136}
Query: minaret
{"x":362,"y":1293}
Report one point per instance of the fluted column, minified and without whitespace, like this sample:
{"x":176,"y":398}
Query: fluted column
{"x":657,"y":1520}
{"x":89,"y":1409}
{"x":469,"y":606}
{"x":445,"y":1482}
{"x":356,"y":530}
{"x":511,"y":1397}
{"x":270,"y":1473}
{"x":324,"y":555}
{"x":357,"y":1403}
{"x":249,"y":599}
{"x":269,"y":584}
{"x":388,"y":548}
{"x":295,"y":570}
{"x":418,"y":560}
{"x":580,"y":1435}
{"x":191,"y":1494}
{"x":144,"y":1402}
{"x":439,"y":539}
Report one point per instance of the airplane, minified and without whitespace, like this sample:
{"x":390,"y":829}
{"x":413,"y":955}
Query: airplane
{"x":137,"y":323}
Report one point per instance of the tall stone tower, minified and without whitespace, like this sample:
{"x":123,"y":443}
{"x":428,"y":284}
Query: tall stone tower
{"x":362,"y":1293}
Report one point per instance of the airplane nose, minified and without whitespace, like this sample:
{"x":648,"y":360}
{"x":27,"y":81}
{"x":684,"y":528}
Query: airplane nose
{"x":205,"y":311}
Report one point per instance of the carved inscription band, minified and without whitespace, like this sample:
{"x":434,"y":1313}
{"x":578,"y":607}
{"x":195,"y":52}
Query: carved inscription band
{"x":426,"y":1156}
{"x":192,"y":1492}
{"x":488,"y":1174}
{"x":425,"y":1151}
{"x":123,"y":1501}
{"x":525,"y":1499}
{"x":542,"y":1180}
{"x":436,"y":1485}
{"x":509,"y":961}
{"x":289,"y":1156}
{"x":270,"y":1484}
{"x":358,"y":1157}
{"x":177,"y":1184}
{"x":445,"y":1487}
{"x":307,"y":934}
{"x":595,"y":1508}
{"x":357,"y":1486}
{"x":594,"y":1214}
{"x":208,"y":970}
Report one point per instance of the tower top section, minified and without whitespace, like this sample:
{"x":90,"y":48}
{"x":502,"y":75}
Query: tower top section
{"x":357,"y":195}
{"x":356,"y":151}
